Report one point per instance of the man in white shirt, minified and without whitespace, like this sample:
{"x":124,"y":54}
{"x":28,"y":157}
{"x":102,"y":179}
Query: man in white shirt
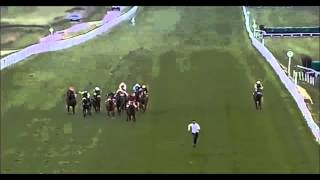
{"x":195,"y":128}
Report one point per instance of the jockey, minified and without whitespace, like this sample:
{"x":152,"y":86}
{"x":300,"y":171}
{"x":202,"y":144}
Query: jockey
{"x":85,"y":94}
{"x":85,"y":102}
{"x":123,"y":86}
{"x":131,"y":103}
{"x":122,"y":89}
{"x":258,"y":86}
{"x":132,"y":97}
{"x":144,"y":89}
{"x":111,"y":97}
{"x":136,"y":88}
{"x":71,"y":88}
{"x":97,"y":92}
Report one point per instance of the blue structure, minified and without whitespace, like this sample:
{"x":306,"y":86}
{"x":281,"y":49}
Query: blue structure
{"x":74,"y":17}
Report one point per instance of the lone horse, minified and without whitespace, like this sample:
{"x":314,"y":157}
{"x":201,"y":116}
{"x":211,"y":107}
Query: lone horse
{"x":143,"y":101}
{"x":131,"y":112}
{"x":95,"y":101}
{"x":121,"y":103}
{"x":110,"y":107}
{"x":71,"y":101}
{"x":257,"y":97}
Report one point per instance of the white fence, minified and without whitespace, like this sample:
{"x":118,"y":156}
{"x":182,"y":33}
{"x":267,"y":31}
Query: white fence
{"x":63,"y":44}
{"x":291,"y":87}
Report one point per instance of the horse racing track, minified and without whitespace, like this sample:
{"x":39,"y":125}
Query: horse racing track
{"x":198,"y":64}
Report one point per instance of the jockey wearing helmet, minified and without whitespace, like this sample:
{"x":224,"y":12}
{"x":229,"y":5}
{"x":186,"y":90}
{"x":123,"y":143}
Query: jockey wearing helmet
{"x":97,"y":92}
{"x":111,"y":97}
{"x":131,"y":103}
{"x":258,"y":88}
{"x":72,"y":90}
{"x":144,"y":89}
{"x":122,"y":89}
{"x":136,"y":88}
{"x":133,"y":98}
{"x":85,"y":94}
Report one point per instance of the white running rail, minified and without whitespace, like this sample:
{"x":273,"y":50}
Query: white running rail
{"x":291,"y":87}
{"x":63,"y":44}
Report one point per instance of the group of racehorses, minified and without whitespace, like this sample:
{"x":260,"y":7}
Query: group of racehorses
{"x":114,"y":102}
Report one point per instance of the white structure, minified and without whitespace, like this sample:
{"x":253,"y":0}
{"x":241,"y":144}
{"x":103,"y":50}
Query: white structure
{"x":289,"y":54}
{"x":51,"y":30}
{"x":64,"y":44}
{"x":285,"y":80}
{"x":133,"y":21}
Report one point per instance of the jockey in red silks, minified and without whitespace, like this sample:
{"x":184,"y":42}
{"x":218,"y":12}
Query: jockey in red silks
{"x":131,"y":103}
{"x":133,"y":98}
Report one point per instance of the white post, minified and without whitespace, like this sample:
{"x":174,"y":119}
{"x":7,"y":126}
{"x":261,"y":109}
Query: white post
{"x":289,"y":54}
{"x":312,"y":80}
{"x":289,"y":64}
{"x":306,"y":77}
{"x":295,"y":76}
{"x":254,"y":26}
{"x":299,"y":74}
{"x":302,"y":76}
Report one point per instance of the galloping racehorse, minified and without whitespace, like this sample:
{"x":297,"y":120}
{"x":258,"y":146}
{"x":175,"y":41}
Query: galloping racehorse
{"x":95,"y":101}
{"x":86,"y":107}
{"x":143,"y":101}
{"x":257,"y":97}
{"x":121,"y":101}
{"x":131,"y":112}
{"x":110,"y":106}
{"x":71,"y":100}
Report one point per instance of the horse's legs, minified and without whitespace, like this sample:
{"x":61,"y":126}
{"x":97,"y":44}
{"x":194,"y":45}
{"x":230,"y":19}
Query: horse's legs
{"x":73,"y":109}
{"x":84,"y":112}
{"x":68,"y":108}
{"x":260,"y":105}
{"x":89,"y":111}
{"x":256,"y":103}
{"x":144,"y":107}
{"x":119,"y":110}
{"x":134,"y":117}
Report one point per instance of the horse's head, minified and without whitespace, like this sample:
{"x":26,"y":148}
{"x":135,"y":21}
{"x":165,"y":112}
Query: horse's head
{"x":70,"y":94}
{"x":131,"y":106}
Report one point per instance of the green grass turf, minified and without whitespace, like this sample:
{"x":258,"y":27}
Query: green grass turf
{"x":294,"y":16}
{"x":300,"y":46}
{"x":33,"y":15}
{"x":198,"y":65}
{"x":37,"y":15}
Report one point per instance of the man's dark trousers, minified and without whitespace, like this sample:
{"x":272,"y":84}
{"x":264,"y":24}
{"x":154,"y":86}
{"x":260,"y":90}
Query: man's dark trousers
{"x":195,"y":138}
